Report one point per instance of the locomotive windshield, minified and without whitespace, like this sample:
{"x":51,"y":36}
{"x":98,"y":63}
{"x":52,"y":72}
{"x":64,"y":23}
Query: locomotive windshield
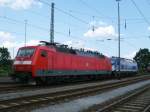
{"x":25,"y":52}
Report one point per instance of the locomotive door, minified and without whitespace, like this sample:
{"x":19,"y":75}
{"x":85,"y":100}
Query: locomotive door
{"x":43,"y":61}
{"x":50,"y":61}
{"x":46,"y":62}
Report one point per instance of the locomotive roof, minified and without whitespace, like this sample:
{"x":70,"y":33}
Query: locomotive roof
{"x":67,"y":49}
{"x":113,"y":57}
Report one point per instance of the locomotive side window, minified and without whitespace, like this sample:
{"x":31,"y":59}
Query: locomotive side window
{"x":44,"y":53}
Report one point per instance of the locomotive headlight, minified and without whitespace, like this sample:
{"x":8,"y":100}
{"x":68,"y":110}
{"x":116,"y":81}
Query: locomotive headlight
{"x":16,"y":62}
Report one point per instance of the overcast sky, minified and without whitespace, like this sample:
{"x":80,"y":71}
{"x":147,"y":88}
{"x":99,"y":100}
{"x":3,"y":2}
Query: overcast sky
{"x":74,"y":22}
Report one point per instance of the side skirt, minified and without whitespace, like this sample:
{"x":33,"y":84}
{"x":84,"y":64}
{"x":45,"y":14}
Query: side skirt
{"x":42,"y":73}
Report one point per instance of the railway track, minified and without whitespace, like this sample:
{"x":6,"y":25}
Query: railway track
{"x":6,"y":87}
{"x":14,"y":87}
{"x":64,"y":94}
{"x":9,"y":88}
{"x":139,"y":101}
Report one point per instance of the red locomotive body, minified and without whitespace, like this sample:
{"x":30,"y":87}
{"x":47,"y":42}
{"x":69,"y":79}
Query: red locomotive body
{"x":46,"y":61}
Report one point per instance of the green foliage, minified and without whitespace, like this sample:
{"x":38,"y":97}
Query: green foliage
{"x":4,"y":56}
{"x":5,"y":61}
{"x":143,"y":59}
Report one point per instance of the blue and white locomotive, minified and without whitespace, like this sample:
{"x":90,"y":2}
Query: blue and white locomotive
{"x":127,"y":66}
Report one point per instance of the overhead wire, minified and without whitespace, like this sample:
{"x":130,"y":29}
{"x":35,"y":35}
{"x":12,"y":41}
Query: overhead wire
{"x":22,"y":22}
{"x":140,"y":12}
{"x":84,"y":13}
{"x":94,"y":9}
{"x":98,"y":17}
{"x":69,"y":14}
{"x":11,"y":19}
{"x":65,"y":12}
{"x":36,"y":26}
{"x":46,"y":29}
{"x":14,"y":32}
{"x":46,"y":17}
{"x":78,"y":12}
{"x":148,"y":2}
{"x":130,"y":44}
{"x":38,"y":14}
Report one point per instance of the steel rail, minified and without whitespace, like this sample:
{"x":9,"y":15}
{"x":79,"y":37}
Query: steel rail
{"x":138,"y":101}
{"x":24,"y":87}
{"x":60,"y":96}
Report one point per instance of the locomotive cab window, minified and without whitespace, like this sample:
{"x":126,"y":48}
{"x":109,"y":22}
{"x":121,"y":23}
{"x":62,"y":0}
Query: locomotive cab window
{"x":44,"y":53}
{"x":25,"y":52}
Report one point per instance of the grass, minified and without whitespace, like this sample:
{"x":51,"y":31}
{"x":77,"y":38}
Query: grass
{"x":5,"y":70}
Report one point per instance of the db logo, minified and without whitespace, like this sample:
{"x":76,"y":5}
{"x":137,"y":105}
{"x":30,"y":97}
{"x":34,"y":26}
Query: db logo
{"x":21,"y":62}
{"x":87,"y":64}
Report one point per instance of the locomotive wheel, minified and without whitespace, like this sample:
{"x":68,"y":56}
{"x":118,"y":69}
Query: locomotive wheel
{"x":20,"y":78}
{"x":24,"y":80}
{"x":41,"y":81}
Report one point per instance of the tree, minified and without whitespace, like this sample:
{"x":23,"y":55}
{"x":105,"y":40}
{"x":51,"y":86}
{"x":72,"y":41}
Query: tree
{"x":142,"y":58}
{"x":4,"y":56}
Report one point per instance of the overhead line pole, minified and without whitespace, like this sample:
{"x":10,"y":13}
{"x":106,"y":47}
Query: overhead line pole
{"x":118,"y":37}
{"x":52,"y":24}
{"x":25,"y":33}
{"x":13,"y":53}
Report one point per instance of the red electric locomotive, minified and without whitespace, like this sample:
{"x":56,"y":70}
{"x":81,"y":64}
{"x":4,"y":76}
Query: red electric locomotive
{"x":49,"y":61}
